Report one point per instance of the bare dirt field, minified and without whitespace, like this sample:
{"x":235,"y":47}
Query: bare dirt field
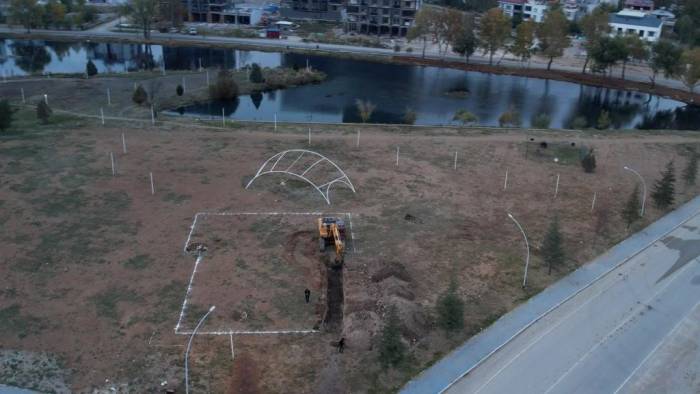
{"x":95,"y":274}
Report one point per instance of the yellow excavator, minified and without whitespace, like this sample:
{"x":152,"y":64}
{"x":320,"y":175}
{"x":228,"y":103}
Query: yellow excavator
{"x":332,"y":232}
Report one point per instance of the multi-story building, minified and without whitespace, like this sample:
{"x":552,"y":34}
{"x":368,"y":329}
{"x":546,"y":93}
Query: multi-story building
{"x":526,"y":9}
{"x":392,"y":17}
{"x":647,"y":27}
{"x":640,"y":5}
{"x":571,"y":9}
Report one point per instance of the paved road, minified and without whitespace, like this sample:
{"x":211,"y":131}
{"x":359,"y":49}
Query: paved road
{"x":616,"y":334}
{"x":634,"y":73}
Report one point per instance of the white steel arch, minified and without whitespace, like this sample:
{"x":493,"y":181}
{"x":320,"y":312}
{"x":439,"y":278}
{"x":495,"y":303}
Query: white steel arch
{"x":324,"y":188}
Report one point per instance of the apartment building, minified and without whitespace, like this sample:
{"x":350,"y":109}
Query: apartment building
{"x":534,"y":10}
{"x":382,"y":17}
{"x":647,"y":27}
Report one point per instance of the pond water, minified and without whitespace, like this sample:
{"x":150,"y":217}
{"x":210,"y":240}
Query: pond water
{"x":434,"y":94}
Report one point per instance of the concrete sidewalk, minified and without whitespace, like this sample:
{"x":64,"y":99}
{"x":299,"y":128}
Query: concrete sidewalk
{"x":479,"y":348}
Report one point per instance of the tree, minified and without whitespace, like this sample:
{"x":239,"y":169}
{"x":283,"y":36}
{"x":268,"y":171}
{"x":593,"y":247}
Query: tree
{"x":465,"y":43}
{"x":26,"y":13}
{"x":541,"y":121}
{"x":607,"y":52}
{"x":409,"y":117}
{"x":686,"y":29}
{"x":594,"y":25}
{"x":140,"y":96}
{"x":421,"y":26}
{"x":172,"y":11}
{"x":552,"y":34}
{"x":691,"y":169}
{"x":465,"y":117}
{"x":635,"y":49}
{"x":365,"y":109}
{"x":225,"y":88}
{"x":392,"y":350}
{"x":664,"y":188}
{"x":603,"y":120}
{"x":552,"y":249}
{"x":43,"y":111}
{"x":630,"y":212}
{"x":588,"y":161}
{"x":143,"y":12}
{"x":665,"y":57}
{"x":179,"y":90}
{"x":54,"y":14}
{"x":256,"y":73}
{"x":494,"y":31}
{"x":509,"y":118}
{"x":90,"y":68}
{"x":450,"y":309}
{"x":5,"y":115}
{"x":690,"y":73}
{"x":524,"y":40}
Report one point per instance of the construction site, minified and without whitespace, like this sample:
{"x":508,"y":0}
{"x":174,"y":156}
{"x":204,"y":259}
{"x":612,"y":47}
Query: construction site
{"x":145,"y":256}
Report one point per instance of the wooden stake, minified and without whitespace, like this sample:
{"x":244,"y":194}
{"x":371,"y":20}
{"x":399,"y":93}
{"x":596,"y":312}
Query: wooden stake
{"x":357,"y":144}
{"x":114,"y":171}
{"x":593,"y":203}
{"x":153,"y":116}
{"x":109,"y":97}
{"x":505,"y":182}
{"x":123,"y":143}
{"x":455,"y":164}
{"x":23,"y":100}
{"x":102,"y":115}
{"x":153,"y":189}
{"x":223,"y":118}
{"x":397,"y":156}
{"x":556,"y":187}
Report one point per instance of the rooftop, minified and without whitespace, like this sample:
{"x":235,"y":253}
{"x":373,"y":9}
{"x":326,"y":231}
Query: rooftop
{"x":640,"y":3}
{"x":635,"y":18}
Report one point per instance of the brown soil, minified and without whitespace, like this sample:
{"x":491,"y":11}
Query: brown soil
{"x":95,"y":274}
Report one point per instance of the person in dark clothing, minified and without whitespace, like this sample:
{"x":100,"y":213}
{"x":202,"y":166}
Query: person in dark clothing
{"x":307,"y":295}
{"x":341,"y":344}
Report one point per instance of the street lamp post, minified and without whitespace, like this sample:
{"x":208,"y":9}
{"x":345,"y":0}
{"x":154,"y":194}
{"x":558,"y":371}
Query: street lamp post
{"x":644,"y":187}
{"x":527,"y":248}
{"x":189,"y":345}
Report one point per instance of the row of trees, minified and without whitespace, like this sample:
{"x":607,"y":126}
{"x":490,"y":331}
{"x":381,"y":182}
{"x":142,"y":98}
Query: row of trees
{"x":60,"y":14}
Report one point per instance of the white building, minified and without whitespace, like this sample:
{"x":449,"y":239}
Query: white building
{"x":647,"y":27}
{"x":527,"y":9}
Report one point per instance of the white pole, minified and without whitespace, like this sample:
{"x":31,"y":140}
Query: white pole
{"x":357,"y":144}
{"x":123,"y":143}
{"x":111,"y":156}
{"x":189,"y":346}
{"x":184,"y":88}
{"x":153,"y":189}
{"x":200,"y":63}
{"x":23,"y":100}
{"x":556,"y":187}
{"x":46,"y":98}
{"x":455,"y":164}
{"x":223,"y":118}
{"x":309,"y":136}
{"x":275,"y":121}
{"x":207,"y":77}
{"x":527,"y":249}
{"x":109,"y":97}
{"x":231,"y":339}
{"x":505,"y":182}
{"x":593,"y":203}
{"x":153,"y":116}
{"x":397,"y":156}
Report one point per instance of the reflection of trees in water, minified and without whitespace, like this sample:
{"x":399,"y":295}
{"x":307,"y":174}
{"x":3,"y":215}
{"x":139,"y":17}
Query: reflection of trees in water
{"x":214,"y":107}
{"x":60,"y":48}
{"x":29,"y":57}
{"x":187,"y":58}
{"x":350,"y":115}
{"x":144,"y":57}
{"x":256,"y":98}
{"x":681,"y":118}
{"x":622,"y":106}
{"x":547,"y":104}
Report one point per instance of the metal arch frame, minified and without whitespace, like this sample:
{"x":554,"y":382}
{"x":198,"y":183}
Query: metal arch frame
{"x":324,"y":189}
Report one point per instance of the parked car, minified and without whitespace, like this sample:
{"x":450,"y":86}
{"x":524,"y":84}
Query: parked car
{"x":173,"y":30}
{"x":192,"y":31}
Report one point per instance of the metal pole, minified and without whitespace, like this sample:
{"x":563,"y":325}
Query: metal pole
{"x":109,"y":97}
{"x":593,"y":203}
{"x":275,"y":121}
{"x":455,"y":164}
{"x":556,"y":187}
{"x":153,"y":116}
{"x":46,"y":99}
{"x":397,"y":156}
{"x":153,"y":189}
{"x":189,"y":346}
{"x":184,"y":88}
{"x":223,"y":118}
{"x":123,"y":143}
{"x":102,"y":115}
{"x":505,"y":182}
{"x":357,"y":144}
{"x":644,"y":187}
{"x":309,"y":136}
{"x":207,"y":77}
{"x":111,"y":157}
{"x":527,"y":248}
{"x":23,"y":100}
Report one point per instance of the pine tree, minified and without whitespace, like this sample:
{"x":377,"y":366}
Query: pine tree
{"x":140,"y":96}
{"x":391,"y":349}
{"x":691,"y":170}
{"x":552,"y":249}
{"x":179,"y":90}
{"x":43,"y":112}
{"x":90,"y":68}
{"x":664,"y":188}
{"x":588,"y":162}
{"x":450,"y":309}
{"x":630,"y":213}
{"x":5,"y":115}
{"x":256,"y":73}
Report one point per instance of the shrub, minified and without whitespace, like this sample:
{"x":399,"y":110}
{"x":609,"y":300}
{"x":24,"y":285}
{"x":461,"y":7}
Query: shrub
{"x":225,"y":88}
{"x":409,"y":117}
{"x":510,"y":118}
{"x":664,"y":188}
{"x":541,"y":121}
{"x":43,"y":112}
{"x":5,"y":115}
{"x":90,"y":69}
{"x":588,"y":162}
{"x":450,"y":309}
{"x":179,"y":90}
{"x":465,"y":117}
{"x":579,"y":123}
{"x":397,"y":48}
{"x":409,"y":49}
{"x":365,"y":109}
{"x":256,"y":73}
{"x":630,"y":212}
{"x":552,"y":250}
{"x":392,"y":350}
{"x":604,"y":121}
{"x":140,"y":96}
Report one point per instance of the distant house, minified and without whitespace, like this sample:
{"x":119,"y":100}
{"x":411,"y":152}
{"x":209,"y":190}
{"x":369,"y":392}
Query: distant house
{"x":647,"y":27}
{"x":534,"y":10}
{"x":640,"y":5}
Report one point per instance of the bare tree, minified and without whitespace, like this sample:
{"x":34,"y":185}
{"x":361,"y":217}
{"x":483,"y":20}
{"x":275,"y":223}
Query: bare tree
{"x":143,"y":12}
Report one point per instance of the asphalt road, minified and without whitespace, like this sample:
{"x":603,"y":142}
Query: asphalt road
{"x":633,"y":331}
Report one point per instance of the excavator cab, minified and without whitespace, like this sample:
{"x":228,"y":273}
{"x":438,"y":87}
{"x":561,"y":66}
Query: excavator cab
{"x":332,"y":232}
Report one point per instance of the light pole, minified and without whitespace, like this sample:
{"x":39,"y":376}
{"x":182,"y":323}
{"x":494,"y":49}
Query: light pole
{"x":644,"y":187}
{"x":527,"y":248}
{"x":189,"y":345}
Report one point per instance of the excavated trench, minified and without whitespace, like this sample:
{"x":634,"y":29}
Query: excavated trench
{"x":333,"y":318}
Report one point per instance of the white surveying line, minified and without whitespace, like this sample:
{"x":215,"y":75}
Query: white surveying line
{"x":187,"y":295}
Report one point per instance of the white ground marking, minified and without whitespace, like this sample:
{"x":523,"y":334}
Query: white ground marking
{"x":658,"y":345}
{"x":187,"y":295}
{"x":189,"y":236}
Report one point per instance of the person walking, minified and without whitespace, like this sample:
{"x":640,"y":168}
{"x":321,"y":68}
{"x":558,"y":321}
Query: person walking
{"x":341,"y":344}
{"x":307,"y":295}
